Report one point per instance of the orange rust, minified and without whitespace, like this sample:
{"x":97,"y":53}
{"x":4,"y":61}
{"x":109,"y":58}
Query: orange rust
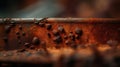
{"x":93,"y":32}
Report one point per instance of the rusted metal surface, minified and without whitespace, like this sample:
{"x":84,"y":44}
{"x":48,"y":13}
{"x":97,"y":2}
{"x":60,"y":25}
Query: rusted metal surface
{"x":59,"y":42}
{"x":56,"y":32}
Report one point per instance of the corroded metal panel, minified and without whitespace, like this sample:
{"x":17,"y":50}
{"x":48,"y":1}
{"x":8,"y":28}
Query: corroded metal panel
{"x":57,"y":32}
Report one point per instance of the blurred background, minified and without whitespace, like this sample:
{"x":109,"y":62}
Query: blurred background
{"x":60,"y":8}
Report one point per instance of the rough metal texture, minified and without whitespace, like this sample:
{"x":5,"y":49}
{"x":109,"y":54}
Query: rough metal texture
{"x":55,"y":32}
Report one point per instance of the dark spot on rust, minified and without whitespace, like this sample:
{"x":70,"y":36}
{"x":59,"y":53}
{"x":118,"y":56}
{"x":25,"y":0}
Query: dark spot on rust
{"x":49,"y":35}
{"x":71,"y":36}
{"x":7,"y":29}
{"x":57,"y":39}
{"x":20,"y":27}
{"x":71,"y":32}
{"x":17,"y":33}
{"x":21,"y":50}
{"x":78,"y":31}
{"x":27,"y":45}
{"x":5,"y":39}
{"x":36,"y":41}
{"x":77,"y":36}
{"x":18,"y":36}
{"x":67,"y":42}
{"x":48,"y":26}
{"x":41,"y":24}
{"x":61,"y":29}
{"x":23,"y":33}
{"x":55,"y":32}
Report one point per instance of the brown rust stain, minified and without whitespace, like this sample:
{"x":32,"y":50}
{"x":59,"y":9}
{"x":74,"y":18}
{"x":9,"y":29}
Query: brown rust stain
{"x":93,"y":32}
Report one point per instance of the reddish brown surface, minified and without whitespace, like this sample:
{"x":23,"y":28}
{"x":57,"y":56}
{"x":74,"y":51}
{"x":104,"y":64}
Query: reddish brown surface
{"x":94,"y":31}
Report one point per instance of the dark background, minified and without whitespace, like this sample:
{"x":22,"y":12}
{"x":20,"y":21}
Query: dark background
{"x":60,"y":8}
